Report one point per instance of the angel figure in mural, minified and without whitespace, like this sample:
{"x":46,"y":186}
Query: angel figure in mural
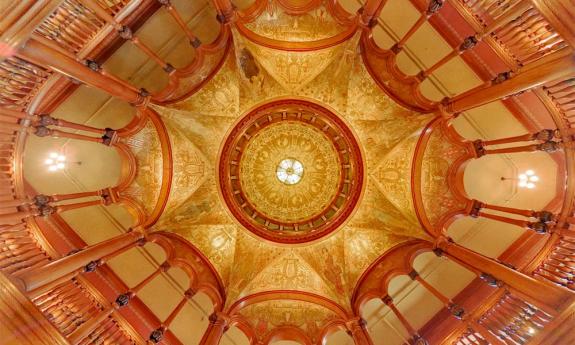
{"x":333,"y":272}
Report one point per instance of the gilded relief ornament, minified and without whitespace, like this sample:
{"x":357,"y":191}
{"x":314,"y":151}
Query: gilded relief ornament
{"x":328,"y":168}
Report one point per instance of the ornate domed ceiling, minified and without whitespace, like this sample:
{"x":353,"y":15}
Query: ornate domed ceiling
{"x":291,"y":171}
{"x":283,"y":167}
{"x":353,"y":198}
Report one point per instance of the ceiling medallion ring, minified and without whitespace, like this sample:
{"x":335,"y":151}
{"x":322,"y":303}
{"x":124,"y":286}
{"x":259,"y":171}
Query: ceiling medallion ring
{"x":291,"y":171}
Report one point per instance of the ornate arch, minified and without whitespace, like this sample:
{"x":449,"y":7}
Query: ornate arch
{"x":396,"y":261}
{"x":437,"y":176}
{"x":274,"y":301}
{"x":202,"y":274}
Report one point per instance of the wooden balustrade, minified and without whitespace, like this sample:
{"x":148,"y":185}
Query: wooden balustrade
{"x":488,"y":10}
{"x":526,"y":38}
{"x":19,"y":250}
{"x":67,"y":306}
{"x":558,"y":266}
{"x":529,"y":37}
{"x":20,"y":82}
{"x":555,"y":66}
{"x":108,"y":331}
{"x":502,"y":21}
{"x":113,"y":7}
{"x":513,"y":320}
{"x":562,"y":96}
{"x":471,"y":337}
{"x":543,"y":295}
{"x":71,"y":26}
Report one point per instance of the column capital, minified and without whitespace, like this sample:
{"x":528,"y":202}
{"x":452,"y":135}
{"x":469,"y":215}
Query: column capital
{"x":219,"y":319}
{"x":355,"y":323}
{"x":434,"y":6}
{"x":456,"y":310}
{"x":387,"y":300}
{"x":490,"y":280}
{"x":413,"y":274}
{"x":189,"y":293}
{"x":157,"y":335}
{"x":442,"y":243}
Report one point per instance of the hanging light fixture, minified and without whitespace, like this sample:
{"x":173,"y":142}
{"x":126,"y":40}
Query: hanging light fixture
{"x":528,"y":179}
{"x":55,"y":161}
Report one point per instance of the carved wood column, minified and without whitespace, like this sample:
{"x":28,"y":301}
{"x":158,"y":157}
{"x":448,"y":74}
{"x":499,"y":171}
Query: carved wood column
{"x":194,"y":41}
{"x":453,"y":308}
{"x":416,"y":338}
{"x":216,"y":329}
{"x":541,"y":293}
{"x":370,"y":12}
{"x":356,"y":329}
{"x":44,"y":55}
{"x":539,"y":223}
{"x":555,"y":66}
{"x":41,"y":123}
{"x":226,"y":11}
{"x":36,"y":278}
{"x":43,"y":205}
{"x":158,"y":334}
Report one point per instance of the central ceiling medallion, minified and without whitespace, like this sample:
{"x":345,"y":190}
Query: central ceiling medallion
{"x":291,"y":171}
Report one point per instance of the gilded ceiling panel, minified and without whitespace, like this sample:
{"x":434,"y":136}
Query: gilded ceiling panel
{"x":276,"y":24}
{"x":291,"y":272}
{"x":190,"y":167}
{"x":293,"y":70}
{"x":148,"y":152}
{"x":440,"y":154}
{"x":267,"y":316}
{"x":219,"y":97}
{"x":252,"y":256}
{"x":377,"y":212}
{"x":393,"y":177}
{"x":363,"y":246}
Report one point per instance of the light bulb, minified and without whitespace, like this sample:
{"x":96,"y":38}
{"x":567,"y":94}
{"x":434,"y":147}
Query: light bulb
{"x":530,"y":185}
{"x":60,"y":165}
{"x":522,"y":183}
{"x":523,"y":177}
{"x":52,"y":168}
{"x":530,"y":172}
{"x":534,"y":178}
{"x":53,"y":155}
{"x":61,"y":158}
{"x":49,"y":161}
{"x":531,"y":330}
